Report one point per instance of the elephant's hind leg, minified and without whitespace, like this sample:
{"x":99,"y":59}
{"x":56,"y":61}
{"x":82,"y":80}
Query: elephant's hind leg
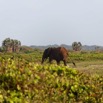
{"x":65,"y":63}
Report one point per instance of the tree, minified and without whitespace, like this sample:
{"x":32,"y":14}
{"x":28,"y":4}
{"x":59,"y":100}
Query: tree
{"x":6,"y":44}
{"x":77,"y":46}
{"x":16,"y":46}
{"x":11,"y":45}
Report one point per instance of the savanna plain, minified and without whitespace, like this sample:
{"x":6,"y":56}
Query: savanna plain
{"x":23,"y":79}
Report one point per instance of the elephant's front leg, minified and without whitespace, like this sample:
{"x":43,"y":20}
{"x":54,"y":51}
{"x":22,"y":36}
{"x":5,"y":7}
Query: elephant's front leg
{"x":50,"y":60}
{"x":58,"y":62}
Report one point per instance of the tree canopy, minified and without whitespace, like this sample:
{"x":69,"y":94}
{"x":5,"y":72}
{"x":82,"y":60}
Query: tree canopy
{"x":77,"y":46}
{"x":11,"y":45}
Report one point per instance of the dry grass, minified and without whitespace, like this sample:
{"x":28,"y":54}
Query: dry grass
{"x":91,"y":67}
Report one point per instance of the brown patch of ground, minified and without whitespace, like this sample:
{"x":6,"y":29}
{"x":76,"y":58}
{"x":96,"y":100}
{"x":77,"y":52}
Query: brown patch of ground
{"x":91,"y":67}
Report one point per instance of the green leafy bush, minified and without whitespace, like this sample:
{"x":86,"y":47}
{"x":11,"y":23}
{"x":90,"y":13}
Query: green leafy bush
{"x":28,"y":82}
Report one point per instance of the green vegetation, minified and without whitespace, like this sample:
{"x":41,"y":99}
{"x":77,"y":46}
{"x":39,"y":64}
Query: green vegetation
{"x":24,"y":79}
{"x":86,"y":56}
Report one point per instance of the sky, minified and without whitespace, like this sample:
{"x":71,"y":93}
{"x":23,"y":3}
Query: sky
{"x":49,"y":22}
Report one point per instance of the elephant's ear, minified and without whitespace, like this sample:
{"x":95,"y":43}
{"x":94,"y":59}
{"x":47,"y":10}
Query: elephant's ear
{"x":49,"y":51}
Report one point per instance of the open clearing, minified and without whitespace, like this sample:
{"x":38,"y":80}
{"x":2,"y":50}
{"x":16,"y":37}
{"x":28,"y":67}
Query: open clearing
{"x":90,"y":67}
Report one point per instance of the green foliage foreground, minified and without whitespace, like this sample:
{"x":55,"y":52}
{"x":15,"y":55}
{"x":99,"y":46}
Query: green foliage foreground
{"x":28,"y":82}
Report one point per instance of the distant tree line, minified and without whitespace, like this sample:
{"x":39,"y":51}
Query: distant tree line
{"x":11,"y":45}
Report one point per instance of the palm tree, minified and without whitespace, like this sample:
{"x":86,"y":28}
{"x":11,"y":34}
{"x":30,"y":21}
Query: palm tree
{"x":7,"y":45}
{"x":16,"y":45}
{"x":77,"y":46}
{"x":11,"y":45}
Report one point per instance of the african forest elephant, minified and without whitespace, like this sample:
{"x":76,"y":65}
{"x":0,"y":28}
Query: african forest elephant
{"x":58,"y":54}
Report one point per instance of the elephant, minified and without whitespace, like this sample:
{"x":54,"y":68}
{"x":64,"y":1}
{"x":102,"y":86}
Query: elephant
{"x":56,"y":53}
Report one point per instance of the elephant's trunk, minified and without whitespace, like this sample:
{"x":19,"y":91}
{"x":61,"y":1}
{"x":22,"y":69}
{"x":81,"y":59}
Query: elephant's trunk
{"x":42,"y":60}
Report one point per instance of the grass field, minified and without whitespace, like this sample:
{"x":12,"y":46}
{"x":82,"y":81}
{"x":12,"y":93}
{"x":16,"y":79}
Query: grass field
{"x":90,"y":67}
{"x":24,"y":79}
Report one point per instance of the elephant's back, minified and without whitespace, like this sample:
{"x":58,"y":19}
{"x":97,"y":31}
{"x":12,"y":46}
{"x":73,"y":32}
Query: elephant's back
{"x":63,"y":50}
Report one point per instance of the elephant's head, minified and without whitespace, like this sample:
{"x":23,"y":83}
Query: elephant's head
{"x":46,"y":54}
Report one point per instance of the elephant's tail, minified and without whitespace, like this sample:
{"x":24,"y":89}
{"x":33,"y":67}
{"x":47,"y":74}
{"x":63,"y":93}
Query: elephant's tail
{"x":72,"y":62}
